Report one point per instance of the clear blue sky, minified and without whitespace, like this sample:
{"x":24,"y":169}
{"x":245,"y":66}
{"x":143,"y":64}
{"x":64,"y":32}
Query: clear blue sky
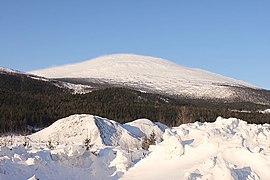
{"x":230,"y":37}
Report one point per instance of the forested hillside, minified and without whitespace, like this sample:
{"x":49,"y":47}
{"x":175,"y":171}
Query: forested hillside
{"x":27,"y":101}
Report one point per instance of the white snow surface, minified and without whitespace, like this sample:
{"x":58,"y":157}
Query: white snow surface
{"x":144,"y":127}
{"x":148,"y":74}
{"x":76,"y":128}
{"x":225,"y":149}
{"x":76,"y":88}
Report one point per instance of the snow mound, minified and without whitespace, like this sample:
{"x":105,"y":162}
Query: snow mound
{"x":101,"y":132}
{"x":225,"y":149}
{"x":59,"y":152}
{"x":64,"y":162}
{"x":144,"y":127}
{"x":148,"y":74}
{"x":76,"y":128}
{"x":117,"y":158}
{"x":171,"y":147}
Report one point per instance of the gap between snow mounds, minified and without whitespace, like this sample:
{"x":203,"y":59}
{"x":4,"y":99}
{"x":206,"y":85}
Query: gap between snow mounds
{"x":226,"y":149}
{"x":101,"y":131}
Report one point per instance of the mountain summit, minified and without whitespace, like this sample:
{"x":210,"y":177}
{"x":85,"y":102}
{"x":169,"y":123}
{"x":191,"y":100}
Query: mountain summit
{"x":150,"y":74}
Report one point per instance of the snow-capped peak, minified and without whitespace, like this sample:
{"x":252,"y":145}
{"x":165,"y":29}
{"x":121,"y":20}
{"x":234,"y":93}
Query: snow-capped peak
{"x":8,"y":70}
{"x":148,"y":73}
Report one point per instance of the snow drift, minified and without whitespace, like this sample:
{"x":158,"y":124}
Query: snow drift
{"x":76,"y":128}
{"x":226,"y":149}
{"x":144,"y":127}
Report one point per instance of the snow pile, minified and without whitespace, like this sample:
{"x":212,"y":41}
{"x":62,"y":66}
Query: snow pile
{"x":59,"y":151}
{"x":67,"y":162}
{"x":148,"y":74}
{"x":225,"y":149}
{"x":170,"y":148}
{"x":144,"y":127}
{"x":117,"y":158}
{"x":76,"y":128}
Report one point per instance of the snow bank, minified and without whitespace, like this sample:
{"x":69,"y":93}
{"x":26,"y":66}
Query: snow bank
{"x":76,"y":128}
{"x":144,"y":127}
{"x":225,"y":149}
{"x":67,"y":162}
{"x":59,"y":152}
{"x":171,"y":147}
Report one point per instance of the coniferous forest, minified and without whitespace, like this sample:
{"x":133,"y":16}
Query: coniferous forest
{"x":26,"y":102}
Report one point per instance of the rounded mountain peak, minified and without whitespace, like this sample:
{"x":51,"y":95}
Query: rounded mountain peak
{"x":148,"y":74}
{"x":129,"y":60}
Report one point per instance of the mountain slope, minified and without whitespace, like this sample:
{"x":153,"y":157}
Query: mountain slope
{"x":28,"y":100}
{"x":149,"y":74}
{"x":74,"y":88}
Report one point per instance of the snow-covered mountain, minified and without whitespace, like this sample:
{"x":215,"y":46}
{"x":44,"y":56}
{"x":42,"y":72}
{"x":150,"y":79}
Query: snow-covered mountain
{"x":148,"y":74}
{"x":75,"y":88}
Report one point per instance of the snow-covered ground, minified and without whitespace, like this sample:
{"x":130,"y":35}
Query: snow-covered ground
{"x":225,"y":149}
{"x":75,"y":88}
{"x":149,"y":74}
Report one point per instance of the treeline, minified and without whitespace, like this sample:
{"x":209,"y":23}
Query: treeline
{"x":28,"y":102}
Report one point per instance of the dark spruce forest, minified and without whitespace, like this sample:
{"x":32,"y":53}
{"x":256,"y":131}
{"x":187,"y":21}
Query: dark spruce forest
{"x":28,"y":102}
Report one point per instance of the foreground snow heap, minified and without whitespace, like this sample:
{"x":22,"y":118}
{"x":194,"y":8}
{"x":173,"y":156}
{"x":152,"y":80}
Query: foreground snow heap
{"x":59,"y":151}
{"x":225,"y":149}
{"x":76,"y":128}
{"x":170,"y":148}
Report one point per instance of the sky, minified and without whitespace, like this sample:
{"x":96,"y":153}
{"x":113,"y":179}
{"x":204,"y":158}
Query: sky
{"x":229,"y":37}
